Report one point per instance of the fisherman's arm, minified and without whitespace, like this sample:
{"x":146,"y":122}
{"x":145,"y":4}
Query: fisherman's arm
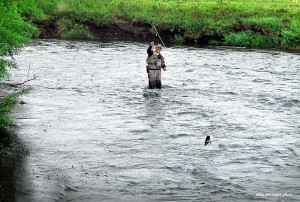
{"x":150,"y":51}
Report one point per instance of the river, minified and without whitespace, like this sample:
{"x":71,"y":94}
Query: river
{"x":94,"y":132}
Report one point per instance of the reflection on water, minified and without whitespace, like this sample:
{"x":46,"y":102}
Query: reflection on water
{"x":7,"y":159}
{"x":95,"y":133}
{"x":154,"y":108}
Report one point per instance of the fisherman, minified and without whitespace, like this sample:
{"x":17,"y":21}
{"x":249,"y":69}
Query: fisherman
{"x":155,"y":62}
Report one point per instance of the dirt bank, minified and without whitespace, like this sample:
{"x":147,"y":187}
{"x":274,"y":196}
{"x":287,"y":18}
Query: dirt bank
{"x":117,"y":31}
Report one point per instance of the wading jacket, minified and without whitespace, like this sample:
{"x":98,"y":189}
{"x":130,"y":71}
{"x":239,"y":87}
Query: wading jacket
{"x":154,"y":57}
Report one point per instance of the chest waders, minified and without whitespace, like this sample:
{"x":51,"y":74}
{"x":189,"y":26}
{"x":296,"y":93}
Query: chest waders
{"x":154,"y":71}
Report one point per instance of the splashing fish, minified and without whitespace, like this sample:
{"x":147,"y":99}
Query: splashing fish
{"x":208,"y":139}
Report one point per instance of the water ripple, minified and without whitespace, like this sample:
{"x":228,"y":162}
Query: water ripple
{"x":96,"y":133}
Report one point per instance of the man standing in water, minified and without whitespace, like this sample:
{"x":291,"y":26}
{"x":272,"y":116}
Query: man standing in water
{"x":155,"y":62}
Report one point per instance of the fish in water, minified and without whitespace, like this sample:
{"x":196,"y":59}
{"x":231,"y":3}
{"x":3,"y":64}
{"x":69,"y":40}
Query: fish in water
{"x":208,"y":139}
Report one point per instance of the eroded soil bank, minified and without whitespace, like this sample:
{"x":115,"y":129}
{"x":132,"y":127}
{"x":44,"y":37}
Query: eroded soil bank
{"x":121,"y":31}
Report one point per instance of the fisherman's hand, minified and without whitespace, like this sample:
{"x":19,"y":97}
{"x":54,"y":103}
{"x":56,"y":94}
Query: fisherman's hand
{"x":152,"y":43}
{"x":164,"y":67}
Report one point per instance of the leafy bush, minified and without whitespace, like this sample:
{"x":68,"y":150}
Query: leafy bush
{"x":178,"y":39}
{"x":6,"y":105}
{"x":68,"y":29}
{"x":291,"y":35}
{"x":248,"y":39}
{"x":78,"y":32}
{"x":14,"y":32}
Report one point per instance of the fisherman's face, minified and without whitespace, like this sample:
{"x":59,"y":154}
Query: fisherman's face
{"x":158,"y":50}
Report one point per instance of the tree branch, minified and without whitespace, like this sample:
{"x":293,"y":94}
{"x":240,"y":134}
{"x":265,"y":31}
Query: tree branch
{"x":18,"y":84}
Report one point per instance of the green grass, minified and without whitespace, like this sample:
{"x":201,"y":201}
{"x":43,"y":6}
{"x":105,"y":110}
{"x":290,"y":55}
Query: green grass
{"x":6,"y":106}
{"x":273,"y":23}
{"x":68,"y":29}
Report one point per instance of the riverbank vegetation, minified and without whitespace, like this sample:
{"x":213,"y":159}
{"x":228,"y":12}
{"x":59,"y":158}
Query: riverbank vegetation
{"x":253,"y":23}
{"x":15,"y":31}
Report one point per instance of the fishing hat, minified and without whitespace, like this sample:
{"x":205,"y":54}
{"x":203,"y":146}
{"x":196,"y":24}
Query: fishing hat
{"x":159,"y":46}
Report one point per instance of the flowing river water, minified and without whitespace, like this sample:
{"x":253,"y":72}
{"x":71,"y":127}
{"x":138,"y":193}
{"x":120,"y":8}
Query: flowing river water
{"x":94,"y":132}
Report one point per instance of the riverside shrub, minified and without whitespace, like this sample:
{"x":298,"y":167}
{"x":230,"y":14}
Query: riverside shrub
{"x":14,"y":32}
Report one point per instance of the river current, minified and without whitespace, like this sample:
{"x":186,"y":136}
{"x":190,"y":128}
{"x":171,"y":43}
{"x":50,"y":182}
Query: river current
{"x":94,"y":132}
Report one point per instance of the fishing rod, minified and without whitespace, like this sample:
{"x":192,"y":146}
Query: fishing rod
{"x":158,"y":36}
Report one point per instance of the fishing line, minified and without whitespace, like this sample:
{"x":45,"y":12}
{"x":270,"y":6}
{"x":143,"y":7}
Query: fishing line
{"x":159,"y":36}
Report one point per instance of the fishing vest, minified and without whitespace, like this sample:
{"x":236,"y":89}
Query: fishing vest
{"x":152,"y":60}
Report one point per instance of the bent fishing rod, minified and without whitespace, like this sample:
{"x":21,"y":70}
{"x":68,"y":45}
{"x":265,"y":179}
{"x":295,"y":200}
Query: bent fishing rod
{"x":157,"y":34}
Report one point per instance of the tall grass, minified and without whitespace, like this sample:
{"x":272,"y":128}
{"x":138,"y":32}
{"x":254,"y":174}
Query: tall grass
{"x":256,"y":23}
{"x":69,"y":29}
{"x":6,"y":106}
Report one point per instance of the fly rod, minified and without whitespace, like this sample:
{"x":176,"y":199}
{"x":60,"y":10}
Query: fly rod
{"x":159,"y":36}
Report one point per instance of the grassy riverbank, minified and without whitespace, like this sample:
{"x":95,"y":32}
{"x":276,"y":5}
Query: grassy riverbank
{"x":253,"y":23}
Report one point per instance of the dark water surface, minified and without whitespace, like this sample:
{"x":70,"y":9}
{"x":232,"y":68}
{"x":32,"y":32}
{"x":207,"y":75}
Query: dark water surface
{"x":94,"y":132}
